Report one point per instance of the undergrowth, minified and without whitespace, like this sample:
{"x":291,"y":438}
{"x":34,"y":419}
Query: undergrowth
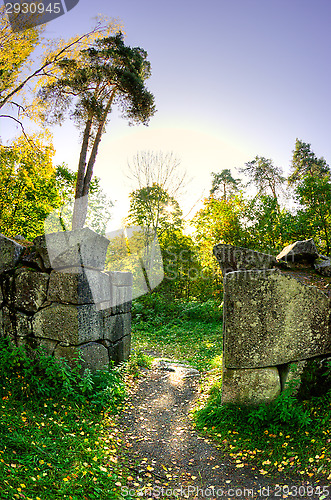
{"x":287,"y":436}
{"x":57,"y":435}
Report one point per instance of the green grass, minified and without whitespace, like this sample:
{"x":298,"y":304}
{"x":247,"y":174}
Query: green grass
{"x":57,"y":432}
{"x":185,"y":331}
{"x":287,"y":436}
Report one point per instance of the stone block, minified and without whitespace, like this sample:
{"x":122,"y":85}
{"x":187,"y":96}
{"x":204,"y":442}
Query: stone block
{"x":86,"y":287}
{"x":272,"y":319}
{"x":121,"y":350}
{"x":10,"y":253}
{"x":251,"y":386}
{"x":93,"y":355}
{"x":48,"y":345}
{"x":32,"y":259}
{"x":68,"y":323}
{"x":323,"y":266}
{"x":232,"y":258}
{"x":23,"y":325}
{"x":119,"y":278}
{"x":30,"y":289}
{"x":82,"y":248}
{"x":7,"y":323}
{"x":115,"y":327}
{"x":298,"y":251}
{"x":122,"y":299}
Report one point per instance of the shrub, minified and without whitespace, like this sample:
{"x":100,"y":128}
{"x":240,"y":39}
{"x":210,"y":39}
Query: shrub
{"x":41,"y":376}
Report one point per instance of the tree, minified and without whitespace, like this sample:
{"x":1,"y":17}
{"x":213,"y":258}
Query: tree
{"x":267,"y":224}
{"x":264,"y":175}
{"x":224,"y":184}
{"x":16,"y":48}
{"x":310,"y":179}
{"x":154,"y":209}
{"x":305,"y":162}
{"x":106,"y":73}
{"x":18,"y":71}
{"x":149,"y":168}
{"x":99,"y":208}
{"x":314,"y":194}
{"x":219,"y":221}
{"x":28,"y":191}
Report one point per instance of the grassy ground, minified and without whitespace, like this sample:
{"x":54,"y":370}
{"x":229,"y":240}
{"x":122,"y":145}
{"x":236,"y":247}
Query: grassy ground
{"x":58,"y":439}
{"x":190,"y":331}
{"x":288,"y":437}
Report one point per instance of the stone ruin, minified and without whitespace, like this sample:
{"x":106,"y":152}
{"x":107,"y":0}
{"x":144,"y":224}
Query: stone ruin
{"x":54,"y":293}
{"x":276,"y":321}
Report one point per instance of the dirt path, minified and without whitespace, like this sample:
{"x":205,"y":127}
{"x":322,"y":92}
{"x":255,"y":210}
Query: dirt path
{"x":169,"y":459}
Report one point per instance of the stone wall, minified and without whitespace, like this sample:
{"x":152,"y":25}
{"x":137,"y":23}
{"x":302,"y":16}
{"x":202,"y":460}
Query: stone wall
{"x":276,"y":315}
{"x":54,"y":293}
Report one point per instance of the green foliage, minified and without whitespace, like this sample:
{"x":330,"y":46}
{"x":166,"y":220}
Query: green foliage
{"x":152,"y":207}
{"x":99,"y":205}
{"x":219,"y":221}
{"x":276,"y":435}
{"x":155,"y":309}
{"x":264,"y":175}
{"x":223,"y":184}
{"x":48,"y":378}
{"x":184,"y":275}
{"x":55,"y":431}
{"x":305,"y":162}
{"x":314,"y":194}
{"x":28,"y":187}
{"x":268,"y":226}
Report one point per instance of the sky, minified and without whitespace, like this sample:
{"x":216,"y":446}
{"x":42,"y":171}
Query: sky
{"x":232,"y":79}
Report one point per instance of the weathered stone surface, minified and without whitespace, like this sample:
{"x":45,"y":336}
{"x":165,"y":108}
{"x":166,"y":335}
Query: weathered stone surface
{"x":74,"y":324}
{"x":7,"y":322}
{"x":83,"y":248}
{"x":115,"y":327}
{"x":300,"y":250}
{"x":87,"y":287}
{"x":10,"y":252}
{"x":121,"y":350}
{"x":119,"y":278}
{"x":30,"y":289}
{"x":272,"y":319}
{"x":23,"y":324}
{"x":122,"y":299}
{"x":93,"y":355}
{"x":250,"y":387}
{"x":232,"y":258}
{"x":48,"y":345}
{"x":323,"y":266}
{"x":33,"y":259}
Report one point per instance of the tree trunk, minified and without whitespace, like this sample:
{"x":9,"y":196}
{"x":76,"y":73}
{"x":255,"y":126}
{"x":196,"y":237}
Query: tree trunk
{"x":76,"y":217}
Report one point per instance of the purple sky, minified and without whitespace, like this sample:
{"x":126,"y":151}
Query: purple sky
{"x":232,"y":79}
